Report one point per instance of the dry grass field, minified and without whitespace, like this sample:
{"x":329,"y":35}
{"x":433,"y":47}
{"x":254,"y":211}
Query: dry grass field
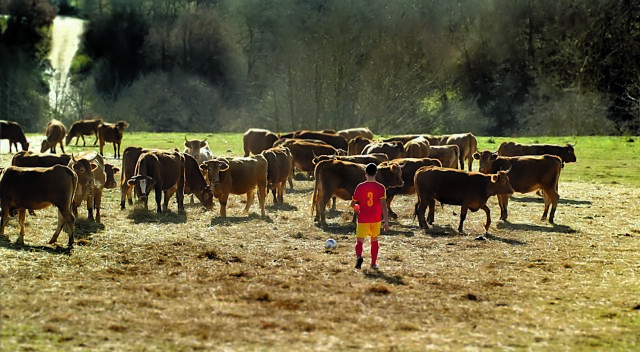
{"x":194,"y":281}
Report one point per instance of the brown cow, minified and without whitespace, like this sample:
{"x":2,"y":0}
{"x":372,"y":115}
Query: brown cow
{"x":129,"y":160}
{"x":375,"y":158}
{"x":238,"y":176}
{"x":351,"y":133}
{"x":103,"y":177}
{"x":84,"y":169}
{"x":340,"y":178}
{"x":402,"y":138}
{"x":38,"y":188}
{"x":394,"y":150}
{"x":466,"y":142}
{"x":195,"y":183}
{"x":417,"y":148}
{"x":357,"y":144}
{"x":13,"y":132}
{"x":26,"y":158}
{"x":162,"y":172}
{"x":108,"y":132}
{"x":55,"y":134}
{"x":447,"y":154}
{"x":566,"y":152}
{"x":256,"y":140}
{"x":82,"y":128}
{"x":303,"y":153}
{"x":280,"y":170}
{"x":332,"y":139}
{"x":409,"y":167}
{"x":470,"y":190}
{"x":527,"y":174}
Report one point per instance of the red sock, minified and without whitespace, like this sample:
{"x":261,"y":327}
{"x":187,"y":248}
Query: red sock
{"x":358,"y":248}
{"x":374,"y":252}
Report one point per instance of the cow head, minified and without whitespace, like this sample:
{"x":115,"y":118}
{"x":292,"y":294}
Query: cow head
{"x":44,"y":146}
{"x":213,"y":168}
{"x":486,"y":159}
{"x":390,"y":174}
{"x":143,"y":186}
{"x":570,"y":156}
{"x":84,"y":169}
{"x":110,"y":171}
{"x":500,"y":183}
{"x":121,"y":125}
{"x":194,"y":145}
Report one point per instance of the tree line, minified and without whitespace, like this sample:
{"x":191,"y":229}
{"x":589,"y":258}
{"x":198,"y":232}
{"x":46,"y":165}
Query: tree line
{"x":492,"y":67}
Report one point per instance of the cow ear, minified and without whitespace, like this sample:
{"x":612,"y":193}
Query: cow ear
{"x":494,"y":156}
{"x":115,"y":169}
{"x":494,"y":178}
{"x":152,"y":181}
{"x":223,"y":165}
{"x":131,"y":182}
{"x":476,"y":156}
{"x":94,"y":166}
{"x":186,"y":145}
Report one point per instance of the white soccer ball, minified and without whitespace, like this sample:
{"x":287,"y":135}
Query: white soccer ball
{"x":330,"y":244}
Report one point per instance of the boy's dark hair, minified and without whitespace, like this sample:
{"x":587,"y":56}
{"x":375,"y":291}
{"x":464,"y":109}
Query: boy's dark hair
{"x":371,"y":169}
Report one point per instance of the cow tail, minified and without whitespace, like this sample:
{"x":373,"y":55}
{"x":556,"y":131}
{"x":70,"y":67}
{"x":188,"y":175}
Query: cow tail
{"x":315,"y":195}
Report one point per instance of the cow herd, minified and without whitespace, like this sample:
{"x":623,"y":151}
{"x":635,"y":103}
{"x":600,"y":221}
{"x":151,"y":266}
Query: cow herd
{"x":432,"y":167}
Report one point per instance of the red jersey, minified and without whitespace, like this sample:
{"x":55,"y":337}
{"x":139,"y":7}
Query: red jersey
{"x":368,"y":195}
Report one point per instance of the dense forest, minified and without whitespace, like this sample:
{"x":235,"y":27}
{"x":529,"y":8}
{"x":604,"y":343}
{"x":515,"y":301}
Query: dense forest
{"x":493,"y":67}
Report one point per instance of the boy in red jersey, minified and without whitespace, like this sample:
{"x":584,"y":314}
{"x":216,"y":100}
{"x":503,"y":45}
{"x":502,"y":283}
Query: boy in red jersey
{"x":370,"y":201}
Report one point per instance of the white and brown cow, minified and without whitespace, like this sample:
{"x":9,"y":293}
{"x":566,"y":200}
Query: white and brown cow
{"x":162,"y":172}
{"x":240,"y":175}
{"x":32,"y":188}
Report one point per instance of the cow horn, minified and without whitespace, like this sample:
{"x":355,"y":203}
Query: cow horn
{"x":185,"y":139}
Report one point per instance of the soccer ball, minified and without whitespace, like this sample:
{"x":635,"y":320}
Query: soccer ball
{"x":330,"y":244}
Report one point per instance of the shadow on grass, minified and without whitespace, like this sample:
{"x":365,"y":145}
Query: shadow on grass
{"x":5,"y":242}
{"x":140,"y":216}
{"x":234,"y":220}
{"x":85,"y":229}
{"x":380,"y":274}
{"x":338,"y":229}
{"x":537,"y":228}
{"x":533,"y":199}
{"x":282,"y":206}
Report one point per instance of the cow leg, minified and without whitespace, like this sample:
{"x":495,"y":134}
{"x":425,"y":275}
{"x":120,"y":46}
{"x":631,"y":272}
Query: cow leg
{"x":488,"y":212}
{"x":275,"y":198}
{"x":158,"y":195}
{"x":94,"y":142}
{"x":262,"y":197}
{"x":463,"y":215}
{"x":223,"y":205}
{"x":84,"y":143}
{"x":419,"y":210}
{"x":392,"y":214}
{"x":431,"y":203}
{"x":281,"y":187}
{"x":22,"y":214}
{"x":290,"y":179}
{"x":90,"y":206}
{"x":124,"y":194}
{"x":551,"y":197}
{"x":64,"y":218}
{"x":503,"y":201}
{"x":250,"y":197}
{"x":62,"y":147}
{"x":333,"y":203}
{"x":5,"y":218}
{"x":114,"y":151}
{"x":97,"y":202}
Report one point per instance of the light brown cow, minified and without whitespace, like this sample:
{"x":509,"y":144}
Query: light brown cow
{"x":357,"y":144}
{"x":393,"y":150}
{"x":447,"y":154}
{"x":404,"y":138}
{"x":340,"y":178}
{"x":13,"y":132}
{"x":257,"y":140}
{"x":238,"y":176}
{"x":375,"y":158}
{"x":470,"y":190}
{"x":303,"y":153}
{"x":566,"y":152}
{"x":280,"y":170}
{"x":108,"y":132}
{"x":409,"y":167}
{"x":351,"y":133}
{"x":527,"y":174}
{"x":26,"y":158}
{"x":38,"y":188}
{"x":417,"y":148}
{"x":84,"y":169}
{"x":54,"y":135}
{"x":332,"y":139}
{"x":195,"y":183}
{"x":162,"y":172}
{"x":466,"y":142}
{"x":82,"y":128}
{"x":93,"y":195}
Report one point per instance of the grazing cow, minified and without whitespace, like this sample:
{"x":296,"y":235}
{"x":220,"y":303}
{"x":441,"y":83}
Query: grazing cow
{"x":340,"y":178}
{"x":447,"y":154}
{"x":195,"y":183}
{"x":527,"y":174}
{"x":357,"y":144}
{"x":402,"y":138}
{"x":109,"y":132}
{"x":417,"y":148}
{"x":470,"y":190}
{"x":394,"y":150}
{"x":466,"y":142}
{"x":280,"y":170}
{"x":409,"y":167}
{"x":351,"y":133}
{"x":332,"y":139}
{"x":256,"y":140}
{"x":82,"y":128}
{"x":26,"y":158}
{"x":38,"y":188}
{"x":238,"y":176}
{"x":566,"y":152}
{"x":13,"y":132}
{"x":303,"y":153}
{"x":129,"y":160}
{"x":55,"y":134}
{"x":162,"y":172}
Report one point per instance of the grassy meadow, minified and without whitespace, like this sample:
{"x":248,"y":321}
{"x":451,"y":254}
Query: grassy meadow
{"x":194,"y":281}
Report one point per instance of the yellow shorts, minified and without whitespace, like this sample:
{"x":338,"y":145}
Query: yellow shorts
{"x":366,"y":229}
